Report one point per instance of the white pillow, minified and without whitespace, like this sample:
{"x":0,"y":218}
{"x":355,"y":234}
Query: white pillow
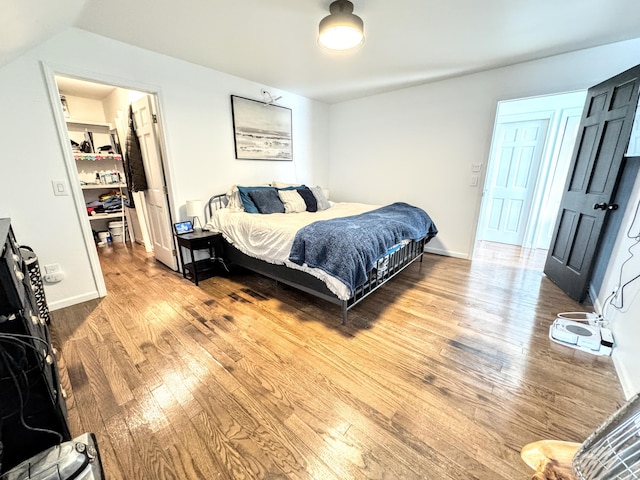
{"x":293,"y":202}
{"x":321,"y":198}
{"x":284,"y":185}
{"x":233,"y":196}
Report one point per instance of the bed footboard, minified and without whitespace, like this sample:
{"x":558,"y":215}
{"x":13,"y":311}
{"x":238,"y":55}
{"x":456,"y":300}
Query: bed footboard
{"x":385,"y":269}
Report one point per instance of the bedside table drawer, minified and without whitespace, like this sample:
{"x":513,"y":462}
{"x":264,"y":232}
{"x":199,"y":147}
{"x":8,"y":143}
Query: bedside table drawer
{"x":201,"y":243}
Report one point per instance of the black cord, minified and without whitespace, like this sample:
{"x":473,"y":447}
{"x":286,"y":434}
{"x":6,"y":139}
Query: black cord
{"x":23,"y":345}
{"x":7,"y":359}
{"x":7,"y":368}
{"x":21,"y":350}
{"x":620,"y":291}
{"x":607,"y":301}
{"x":28,"y":337}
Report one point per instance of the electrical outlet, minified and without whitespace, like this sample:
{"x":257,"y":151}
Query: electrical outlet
{"x":476,"y":167}
{"x":52,"y":268}
{"x":54,"y":277}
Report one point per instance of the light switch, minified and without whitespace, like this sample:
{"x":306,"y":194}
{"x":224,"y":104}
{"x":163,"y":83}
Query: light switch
{"x":474,"y":181}
{"x":52,"y":268}
{"x":60,"y":187}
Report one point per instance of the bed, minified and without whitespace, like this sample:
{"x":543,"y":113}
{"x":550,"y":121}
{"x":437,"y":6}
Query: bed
{"x":294,"y":235}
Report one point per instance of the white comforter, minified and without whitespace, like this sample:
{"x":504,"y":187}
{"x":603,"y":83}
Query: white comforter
{"x":270,"y":237}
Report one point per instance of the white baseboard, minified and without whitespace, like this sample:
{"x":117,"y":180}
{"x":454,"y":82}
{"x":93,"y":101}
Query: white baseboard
{"x":446,"y":253}
{"x":67,"y":302}
{"x":625,"y":380}
{"x":593,"y":295}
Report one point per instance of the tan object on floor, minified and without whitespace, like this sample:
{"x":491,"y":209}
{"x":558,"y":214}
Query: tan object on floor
{"x":550,"y":459}
{"x":611,"y":452}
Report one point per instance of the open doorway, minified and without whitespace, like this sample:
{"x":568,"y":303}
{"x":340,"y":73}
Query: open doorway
{"x":125,"y":201}
{"x":529,"y":159}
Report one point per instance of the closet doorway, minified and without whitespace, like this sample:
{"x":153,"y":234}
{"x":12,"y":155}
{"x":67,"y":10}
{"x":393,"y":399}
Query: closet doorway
{"x":528,"y":163}
{"x":108,"y":128}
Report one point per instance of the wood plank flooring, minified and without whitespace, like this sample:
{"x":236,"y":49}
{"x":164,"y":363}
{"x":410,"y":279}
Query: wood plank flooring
{"x":445,"y":373}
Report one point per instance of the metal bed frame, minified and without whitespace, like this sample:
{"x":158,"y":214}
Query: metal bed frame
{"x":394,"y":264}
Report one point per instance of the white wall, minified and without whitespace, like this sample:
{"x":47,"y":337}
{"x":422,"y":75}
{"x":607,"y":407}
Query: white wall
{"x":418,"y":144}
{"x":625,"y":321}
{"x":195,"y":109}
{"x":85,"y":110}
{"x":542,"y":104}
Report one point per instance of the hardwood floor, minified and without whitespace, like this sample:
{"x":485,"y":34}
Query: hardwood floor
{"x":445,"y":373}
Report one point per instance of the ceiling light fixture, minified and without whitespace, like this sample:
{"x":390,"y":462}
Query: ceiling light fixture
{"x":342,"y":30}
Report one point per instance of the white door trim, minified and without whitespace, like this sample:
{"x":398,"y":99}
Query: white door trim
{"x":74,"y":186}
{"x":550,"y":174}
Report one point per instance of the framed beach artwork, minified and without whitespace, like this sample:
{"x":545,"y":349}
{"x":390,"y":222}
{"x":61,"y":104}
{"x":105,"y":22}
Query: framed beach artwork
{"x":262,"y":131}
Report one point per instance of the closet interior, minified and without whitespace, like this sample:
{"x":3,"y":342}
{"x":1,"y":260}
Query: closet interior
{"x":98,"y":125}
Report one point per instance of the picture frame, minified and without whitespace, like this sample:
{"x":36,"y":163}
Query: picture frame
{"x":261,"y":131}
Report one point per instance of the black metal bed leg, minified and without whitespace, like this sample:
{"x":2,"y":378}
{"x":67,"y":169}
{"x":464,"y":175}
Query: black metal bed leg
{"x":344,"y":312}
{"x":221,"y":260}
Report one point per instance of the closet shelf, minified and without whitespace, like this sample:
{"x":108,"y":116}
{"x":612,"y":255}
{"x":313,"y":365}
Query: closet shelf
{"x":104,"y":186}
{"x":97,"y":156}
{"x":101,"y":216}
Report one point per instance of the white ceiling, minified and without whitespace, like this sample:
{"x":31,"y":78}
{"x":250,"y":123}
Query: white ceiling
{"x":273,"y":42}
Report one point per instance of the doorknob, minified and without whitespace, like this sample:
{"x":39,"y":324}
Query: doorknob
{"x":605,"y":206}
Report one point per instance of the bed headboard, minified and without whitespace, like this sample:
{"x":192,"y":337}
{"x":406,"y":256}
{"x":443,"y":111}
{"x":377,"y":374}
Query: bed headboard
{"x":215,"y":203}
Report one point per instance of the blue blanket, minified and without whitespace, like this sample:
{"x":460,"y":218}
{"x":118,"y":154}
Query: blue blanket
{"x":348,"y":247}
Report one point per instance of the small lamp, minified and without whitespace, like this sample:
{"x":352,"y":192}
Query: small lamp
{"x":342,"y":30}
{"x":194,"y":209}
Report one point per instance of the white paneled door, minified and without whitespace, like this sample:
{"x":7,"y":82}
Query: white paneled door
{"x":512,"y":180}
{"x":156,"y":195}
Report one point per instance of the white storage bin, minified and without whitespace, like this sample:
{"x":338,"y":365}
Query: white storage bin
{"x":117,"y":231}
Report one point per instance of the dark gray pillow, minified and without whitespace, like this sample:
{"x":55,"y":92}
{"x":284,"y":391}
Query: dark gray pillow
{"x":309,"y":199}
{"x":267,"y":200}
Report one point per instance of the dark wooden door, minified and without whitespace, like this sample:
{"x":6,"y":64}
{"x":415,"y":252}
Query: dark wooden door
{"x":593,"y":176}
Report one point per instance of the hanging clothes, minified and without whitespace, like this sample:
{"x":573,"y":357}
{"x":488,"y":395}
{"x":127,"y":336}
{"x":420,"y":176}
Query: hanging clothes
{"x":134,"y":166}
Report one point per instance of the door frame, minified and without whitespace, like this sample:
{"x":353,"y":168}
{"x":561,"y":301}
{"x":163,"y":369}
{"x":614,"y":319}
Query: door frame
{"x":549,"y":174}
{"x":531,"y":234}
{"x":50,"y":70}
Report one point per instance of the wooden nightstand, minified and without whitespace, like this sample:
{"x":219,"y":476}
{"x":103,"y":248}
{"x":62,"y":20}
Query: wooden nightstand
{"x":196,"y":270}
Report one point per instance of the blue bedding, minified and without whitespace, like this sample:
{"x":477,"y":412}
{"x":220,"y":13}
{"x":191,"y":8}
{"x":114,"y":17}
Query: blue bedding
{"x":348,"y":247}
